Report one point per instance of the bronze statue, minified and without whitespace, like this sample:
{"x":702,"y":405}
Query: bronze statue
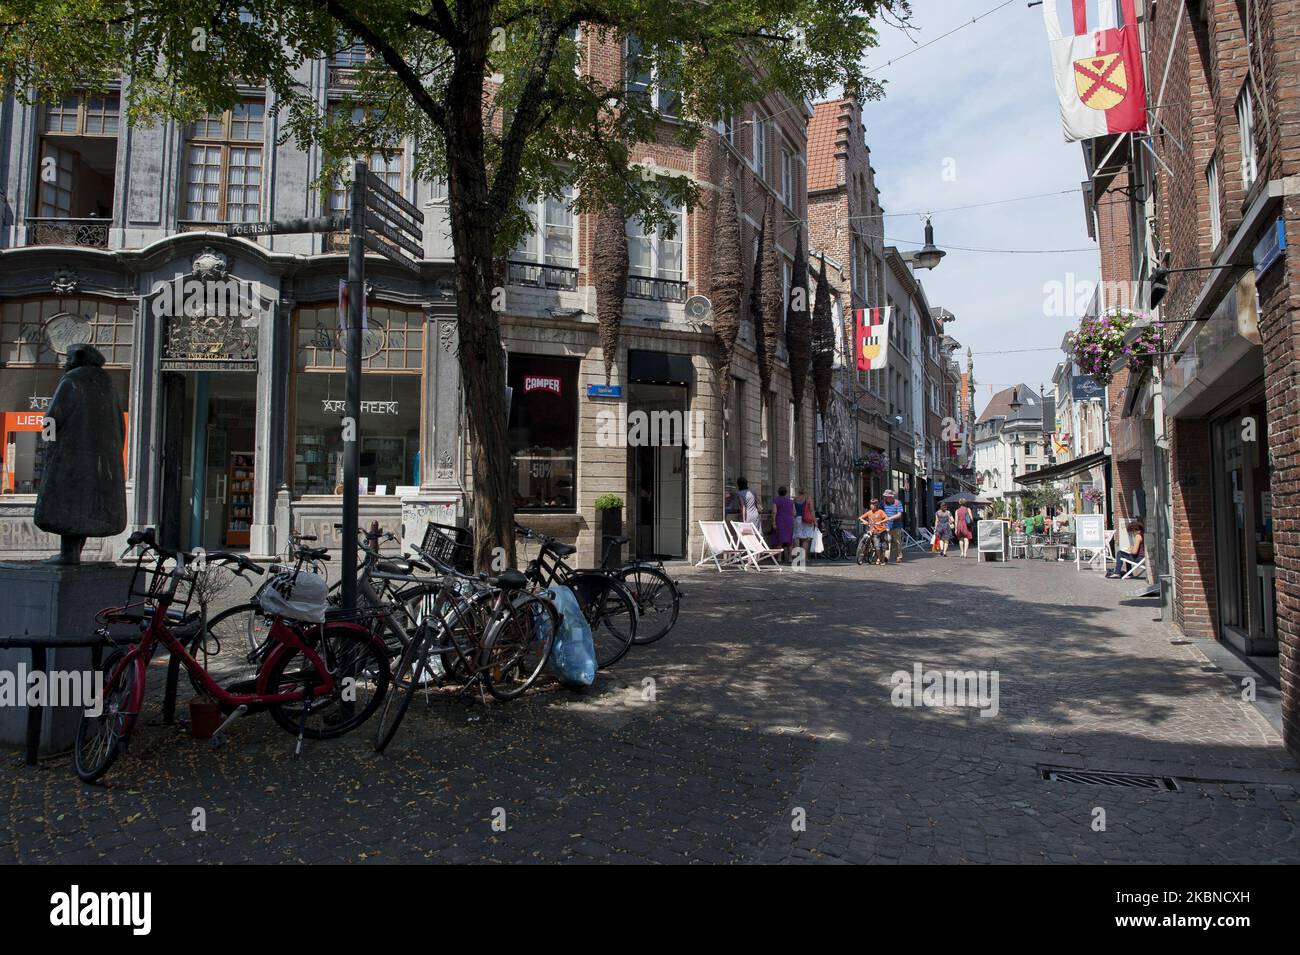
{"x":83,"y":487}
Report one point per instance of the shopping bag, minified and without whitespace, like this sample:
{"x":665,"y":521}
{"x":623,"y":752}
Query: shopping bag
{"x":817,"y":543}
{"x":573,"y":655}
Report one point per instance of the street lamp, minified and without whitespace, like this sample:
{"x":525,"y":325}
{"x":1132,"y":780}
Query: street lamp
{"x":930,"y":254}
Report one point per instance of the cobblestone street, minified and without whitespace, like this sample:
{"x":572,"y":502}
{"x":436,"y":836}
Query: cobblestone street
{"x":771,"y":705}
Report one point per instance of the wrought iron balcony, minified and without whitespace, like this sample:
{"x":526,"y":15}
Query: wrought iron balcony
{"x":656,"y":290}
{"x":538,"y":275}
{"x":87,"y":233}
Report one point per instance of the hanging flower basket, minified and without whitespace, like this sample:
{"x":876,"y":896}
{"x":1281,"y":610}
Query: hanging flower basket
{"x":871,"y":461}
{"x":1099,"y":343}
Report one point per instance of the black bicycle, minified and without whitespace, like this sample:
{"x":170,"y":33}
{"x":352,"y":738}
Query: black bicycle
{"x":838,"y":541}
{"x":658,"y":598}
{"x":607,"y":602}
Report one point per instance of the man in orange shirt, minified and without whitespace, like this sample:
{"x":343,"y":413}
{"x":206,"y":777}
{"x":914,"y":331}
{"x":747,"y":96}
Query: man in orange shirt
{"x":875,"y":534}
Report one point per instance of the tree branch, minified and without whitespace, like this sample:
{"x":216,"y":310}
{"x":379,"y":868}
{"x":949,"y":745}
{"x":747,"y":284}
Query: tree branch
{"x":432,"y":108}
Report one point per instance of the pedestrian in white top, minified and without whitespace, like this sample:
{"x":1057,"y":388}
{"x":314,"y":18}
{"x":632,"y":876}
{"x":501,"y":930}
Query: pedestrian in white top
{"x":746,"y":504}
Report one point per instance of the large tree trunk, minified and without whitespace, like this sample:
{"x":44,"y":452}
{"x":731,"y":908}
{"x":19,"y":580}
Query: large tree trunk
{"x":478,"y":293}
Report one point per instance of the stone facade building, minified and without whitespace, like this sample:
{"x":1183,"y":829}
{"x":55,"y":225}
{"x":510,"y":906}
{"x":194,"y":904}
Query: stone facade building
{"x":233,"y":423}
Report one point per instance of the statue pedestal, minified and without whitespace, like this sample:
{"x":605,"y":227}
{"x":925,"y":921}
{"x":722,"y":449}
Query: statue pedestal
{"x":42,"y":600}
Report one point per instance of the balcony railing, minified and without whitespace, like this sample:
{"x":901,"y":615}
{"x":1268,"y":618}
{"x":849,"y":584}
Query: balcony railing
{"x":542,"y":276}
{"x":656,"y":290}
{"x":87,"y":233}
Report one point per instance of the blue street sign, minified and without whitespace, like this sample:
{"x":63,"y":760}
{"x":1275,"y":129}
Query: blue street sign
{"x":604,"y":391}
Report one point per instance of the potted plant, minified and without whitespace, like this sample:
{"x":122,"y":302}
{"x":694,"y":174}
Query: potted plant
{"x":610,"y":509}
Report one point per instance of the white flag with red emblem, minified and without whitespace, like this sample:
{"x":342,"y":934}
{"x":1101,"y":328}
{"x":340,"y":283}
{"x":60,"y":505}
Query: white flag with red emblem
{"x":1098,"y":74}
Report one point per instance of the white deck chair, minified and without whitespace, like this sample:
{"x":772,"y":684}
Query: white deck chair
{"x":910,"y":542}
{"x":717,"y":547}
{"x":1020,"y":542}
{"x":1134,"y":566}
{"x":756,"y":549}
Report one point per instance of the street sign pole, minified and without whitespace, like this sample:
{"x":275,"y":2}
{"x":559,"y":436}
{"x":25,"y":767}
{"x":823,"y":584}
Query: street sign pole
{"x":352,"y":389}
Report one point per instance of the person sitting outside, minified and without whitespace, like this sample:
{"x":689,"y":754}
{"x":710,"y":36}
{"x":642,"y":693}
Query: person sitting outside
{"x":1124,"y":558}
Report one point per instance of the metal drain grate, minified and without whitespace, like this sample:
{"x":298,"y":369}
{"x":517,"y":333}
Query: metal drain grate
{"x":1098,"y":778}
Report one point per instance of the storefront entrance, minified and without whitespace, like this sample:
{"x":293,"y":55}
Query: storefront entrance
{"x":208,"y":457}
{"x":659,"y":434}
{"x":1243,"y":526}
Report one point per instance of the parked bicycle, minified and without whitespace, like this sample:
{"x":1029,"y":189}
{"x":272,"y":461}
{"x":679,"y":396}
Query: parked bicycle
{"x":492,"y":633}
{"x":658,"y":598}
{"x":318,"y":681}
{"x":606,"y":601}
{"x":838,"y":541}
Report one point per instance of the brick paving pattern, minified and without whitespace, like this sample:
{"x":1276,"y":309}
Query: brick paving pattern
{"x":771,"y":704}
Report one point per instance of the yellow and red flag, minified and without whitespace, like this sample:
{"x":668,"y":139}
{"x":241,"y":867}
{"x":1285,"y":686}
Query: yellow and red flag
{"x":1098,"y":73}
{"x":871,"y":337}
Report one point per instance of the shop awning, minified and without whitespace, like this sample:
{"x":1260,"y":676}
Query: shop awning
{"x":1068,"y":469}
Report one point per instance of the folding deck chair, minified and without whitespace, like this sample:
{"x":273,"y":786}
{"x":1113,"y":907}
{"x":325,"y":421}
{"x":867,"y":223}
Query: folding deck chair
{"x":756,"y":549}
{"x":718,"y":547}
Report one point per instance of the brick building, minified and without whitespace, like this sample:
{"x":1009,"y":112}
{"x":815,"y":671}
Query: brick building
{"x":1205,"y":443}
{"x":845,"y":223}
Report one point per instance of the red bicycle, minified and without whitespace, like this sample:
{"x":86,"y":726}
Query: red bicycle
{"x":317,"y":680}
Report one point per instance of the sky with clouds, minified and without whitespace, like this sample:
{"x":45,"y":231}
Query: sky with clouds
{"x":981,"y":103}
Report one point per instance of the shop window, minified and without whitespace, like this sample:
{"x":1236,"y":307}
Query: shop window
{"x":39,"y":332}
{"x":543,"y":432}
{"x":734,"y":436}
{"x":25,"y":395}
{"x":391,"y":385}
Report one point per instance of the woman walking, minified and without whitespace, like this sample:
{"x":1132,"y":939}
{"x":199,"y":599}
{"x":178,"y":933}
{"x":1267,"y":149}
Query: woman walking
{"x":964,"y":531}
{"x":805,"y":524}
{"x":746,"y":504}
{"x":943,"y":529}
{"x":783,"y":520}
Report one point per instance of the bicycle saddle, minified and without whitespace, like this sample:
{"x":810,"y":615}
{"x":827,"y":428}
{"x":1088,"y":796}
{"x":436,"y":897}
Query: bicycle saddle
{"x":511,"y":580}
{"x":314,"y":553}
{"x":616,"y":539}
{"x":562,"y":550}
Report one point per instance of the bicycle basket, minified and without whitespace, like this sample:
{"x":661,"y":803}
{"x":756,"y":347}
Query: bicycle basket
{"x":296,"y":596}
{"x":450,"y":546}
{"x":152,"y":580}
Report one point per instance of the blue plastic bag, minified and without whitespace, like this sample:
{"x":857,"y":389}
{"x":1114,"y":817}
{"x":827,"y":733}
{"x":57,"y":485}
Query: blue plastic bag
{"x":573,"y":655}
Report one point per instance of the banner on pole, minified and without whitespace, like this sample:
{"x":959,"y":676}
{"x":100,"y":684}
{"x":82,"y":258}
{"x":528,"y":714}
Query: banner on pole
{"x":1098,"y":74}
{"x":871,"y":337}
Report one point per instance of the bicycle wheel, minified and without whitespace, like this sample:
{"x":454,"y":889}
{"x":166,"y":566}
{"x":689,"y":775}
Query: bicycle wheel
{"x":834,"y":544}
{"x":100,"y":738}
{"x":610,"y":610}
{"x":231,"y":648}
{"x":658,"y":601}
{"x":407,"y":681}
{"x":860,"y":556}
{"x":517,"y":645}
{"x":359,"y":666}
